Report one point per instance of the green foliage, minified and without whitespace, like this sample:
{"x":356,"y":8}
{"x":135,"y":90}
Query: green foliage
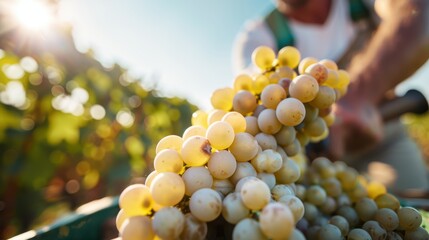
{"x":73,"y":134}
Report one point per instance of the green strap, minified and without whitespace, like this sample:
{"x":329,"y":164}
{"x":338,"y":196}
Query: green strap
{"x":358,"y":10}
{"x":279,"y":26}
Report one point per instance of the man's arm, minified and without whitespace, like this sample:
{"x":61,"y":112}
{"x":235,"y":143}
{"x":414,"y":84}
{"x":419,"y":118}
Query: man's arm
{"x":398,"y":48}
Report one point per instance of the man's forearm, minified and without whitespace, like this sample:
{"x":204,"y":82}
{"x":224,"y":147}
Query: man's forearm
{"x":398,"y":48}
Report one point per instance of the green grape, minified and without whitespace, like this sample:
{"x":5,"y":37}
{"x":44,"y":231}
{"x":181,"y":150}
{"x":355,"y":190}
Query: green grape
{"x":233,"y":209}
{"x":281,"y":190}
{"x":222,"y":98}
{"x":293,"y":149}
{"x":329,"y":206}
{"x":409,"y":218}
{"x":288,"y":173}
{"x":358,"y":234}
{"x":303,"y":138}
{"x":366,"y":209}
{"x":310,"y":211}
{"x":255,"y":194}
{"x":297,"y":235}
{"x":290,"y":111}
{"x":272,"y":95}
{"x":285,"y":136}
{"x":387,"y":218}
{"x":315,"y":128}
{"x":289,"y":56}
{"x":263,"y":57}
{"x":304,"y":88}
{"x":418,"y":234}
{"x":266,"y":141}
{"x":332,"y":186}
{"x":329,"y":232}
{"x":267,"y":178}
{"x":244,"y":102}
{"x":315,"y":195}
{"x":224,"y":186}
{"x":387,"y":200}
{"x":311,"y":113}
{"x":248,"y":229}
{"x":325,"y":98}
{"x":220,"y":134}
{"x":350,"y":214}
{"x":341,"y":223}
{"x":375,"y":230}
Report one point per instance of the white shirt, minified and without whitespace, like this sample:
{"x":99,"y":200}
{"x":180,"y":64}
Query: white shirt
{"x":328,"y":40}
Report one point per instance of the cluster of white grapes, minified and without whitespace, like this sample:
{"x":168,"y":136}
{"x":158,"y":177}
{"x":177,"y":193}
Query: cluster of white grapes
{"x":243,"y":162}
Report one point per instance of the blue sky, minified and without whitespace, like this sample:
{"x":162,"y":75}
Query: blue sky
{"x":181,"y":47}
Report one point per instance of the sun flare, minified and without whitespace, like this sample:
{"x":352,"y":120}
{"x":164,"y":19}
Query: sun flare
{"x":32,"y":14}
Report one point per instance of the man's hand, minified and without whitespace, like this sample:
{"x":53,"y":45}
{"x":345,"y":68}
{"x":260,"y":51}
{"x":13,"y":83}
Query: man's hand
{"x":358,"y":127}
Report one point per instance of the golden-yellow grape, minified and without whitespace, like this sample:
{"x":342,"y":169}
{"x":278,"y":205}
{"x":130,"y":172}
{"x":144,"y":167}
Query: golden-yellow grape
{"x":215,"y":115}
{"x":195,"y":130}
{"x":263,"y":57}
{"x":305,"y":62}
{"x":120,"y":219}
{"x":315,"y":128}
{"x":168,"y":223}
{"x":137,"y":228}
{"x":289,"y":56}
{"x":199,"y":117}
{"x":273,"y":77}
{"x":150,"y":178}
{"x":318,"y":71}
{"x":167,"y":189}
{"x":222,"y":98}
{"x":343,"y":79}
{"x":290,"y":112}
{"x":244,"y":102}
{"x":260,"y":82}
{"x":329,"y":64}
{"x":243,"y":82}
{"x":255,"y":194}
{"x":196,"y":151}
{"x":236,"y":120}
{"x":220,"y":135}
{"x":333,"y":79}
{"x":171,"y":141}
{"x":288,"y":173}
{"x":136,"y":200}
{"x":168,"y":160}
{"x":304,"y":88}
{"x":272,"y":95}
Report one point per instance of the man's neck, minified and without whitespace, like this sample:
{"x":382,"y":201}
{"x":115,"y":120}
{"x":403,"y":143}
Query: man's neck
{"x":314,"y":12}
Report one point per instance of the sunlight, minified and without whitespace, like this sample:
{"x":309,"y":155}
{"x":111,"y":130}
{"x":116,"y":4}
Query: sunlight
{"x":32,"y":14}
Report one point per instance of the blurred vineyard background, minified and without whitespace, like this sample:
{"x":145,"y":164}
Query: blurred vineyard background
{"x":73,"y":130}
